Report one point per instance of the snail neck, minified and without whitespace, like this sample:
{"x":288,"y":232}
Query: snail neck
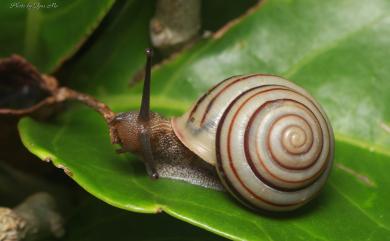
{"x":128,"y":128}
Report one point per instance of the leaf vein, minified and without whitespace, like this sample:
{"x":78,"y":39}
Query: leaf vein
{"x":312,"y":55}
{"x":353,"y":203}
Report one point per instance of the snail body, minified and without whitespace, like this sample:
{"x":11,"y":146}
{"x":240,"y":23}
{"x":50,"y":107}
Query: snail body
{"x":268,"y":141}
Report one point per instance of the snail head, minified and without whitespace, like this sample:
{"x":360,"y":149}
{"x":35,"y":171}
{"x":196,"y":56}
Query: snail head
{"x":127,"y":127}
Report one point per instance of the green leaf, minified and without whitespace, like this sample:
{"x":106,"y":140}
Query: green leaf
{"x":48,"y":32}
{"x":95,"y":220}
{"x":109,"y":63}
{"x":337,"y":49}
{"x":356,"y":193}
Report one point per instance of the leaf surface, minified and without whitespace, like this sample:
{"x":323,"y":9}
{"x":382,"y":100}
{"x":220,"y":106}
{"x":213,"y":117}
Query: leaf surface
{"x":48,"y":32}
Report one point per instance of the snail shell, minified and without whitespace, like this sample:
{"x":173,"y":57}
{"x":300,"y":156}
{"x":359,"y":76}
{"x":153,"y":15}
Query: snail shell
{"x":270,"y":140}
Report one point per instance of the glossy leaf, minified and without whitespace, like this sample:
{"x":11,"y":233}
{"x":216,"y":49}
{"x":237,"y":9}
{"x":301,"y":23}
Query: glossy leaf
{"x":106,"y":67}
{"x":337,"y":49}
{"x":48,"y":32}
{"x":356,"y":193}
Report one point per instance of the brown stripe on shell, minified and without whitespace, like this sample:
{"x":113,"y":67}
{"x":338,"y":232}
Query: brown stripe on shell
{"x":221,"y":168}
{"x":211,"y":102}
{"x":288,"y":151}
{"x":258,"y":174}
{"x":311,"y":144}
{"x":231,"y":188}
{"x":321,"y":133}
{"x":223,"y":175}
{"x":249,"y":159}
{"x":291,"y":90}
{"x":252,"y":165}
{"x":319,"y":111}
{"x":200,"y":100}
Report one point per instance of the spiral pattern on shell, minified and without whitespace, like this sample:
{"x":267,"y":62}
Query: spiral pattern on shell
{"x":273,"y":142}
{"x":284,"y":139}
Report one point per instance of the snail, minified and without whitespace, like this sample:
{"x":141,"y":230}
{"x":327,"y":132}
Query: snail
{"x":265,"y":139}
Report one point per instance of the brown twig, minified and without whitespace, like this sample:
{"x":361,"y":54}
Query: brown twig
{"x":17,"y":72}
{"x":64,"y":94}
{"x":61,"y":94}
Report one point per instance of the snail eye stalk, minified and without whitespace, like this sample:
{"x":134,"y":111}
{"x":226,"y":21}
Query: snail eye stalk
{"x":145,"y":103}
